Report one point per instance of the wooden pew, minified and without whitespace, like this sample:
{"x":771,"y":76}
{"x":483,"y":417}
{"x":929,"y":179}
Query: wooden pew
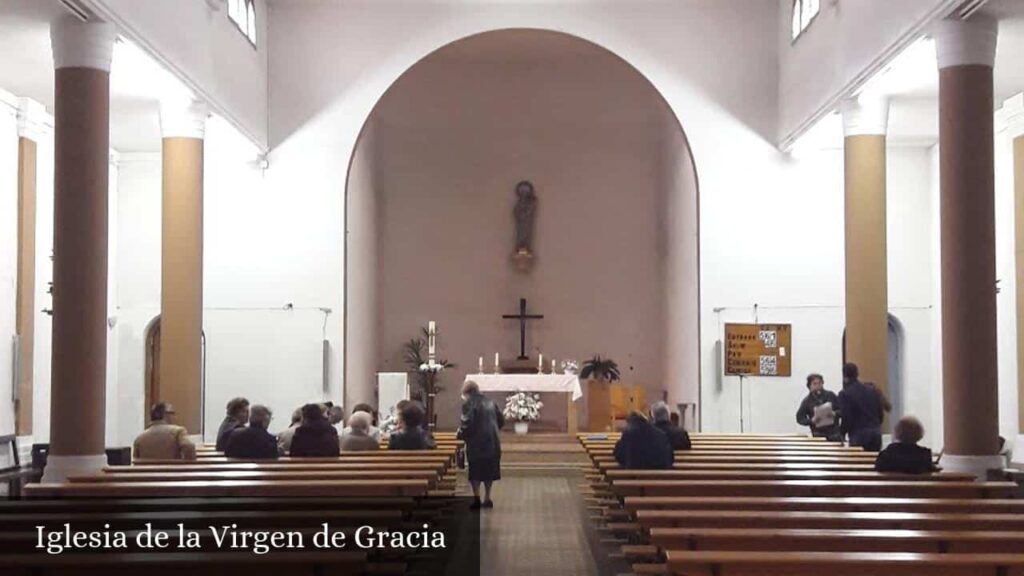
{"x":848,"y":504}
{"x":819,"y":488}
{"x":171,"y":518}
{"x":728,"y":563}
{"x":191,"y":563}
{"x":649,"y":519}
{"x":270,"y":465}
{"x":835,"y":540}
{"x":231,"y":488}
{"x":431,"y":476}
{"x":771,"y":466}
{"x":736,"y":474}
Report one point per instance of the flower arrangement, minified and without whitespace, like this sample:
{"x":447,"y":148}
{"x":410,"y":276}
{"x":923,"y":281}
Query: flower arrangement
{"x":433,"y":367}
{"x":570,"y":367}
{"x":389,"y":423}
{"x":522,"y":407}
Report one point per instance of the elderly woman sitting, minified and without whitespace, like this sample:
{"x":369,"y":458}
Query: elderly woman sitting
{"x":904,"y":455}
{"x":359,"y":436}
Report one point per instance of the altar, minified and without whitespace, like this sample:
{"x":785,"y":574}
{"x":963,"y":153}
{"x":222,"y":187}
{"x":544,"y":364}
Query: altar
{"x":568,"y":384}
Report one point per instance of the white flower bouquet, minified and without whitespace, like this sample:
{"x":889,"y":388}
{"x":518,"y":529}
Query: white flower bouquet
{"x":570,"y":367}
{"x":434,"y":367}
{"x":522,"y":407}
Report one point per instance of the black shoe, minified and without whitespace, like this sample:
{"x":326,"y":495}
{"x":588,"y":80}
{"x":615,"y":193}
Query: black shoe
{"x":475,"y":505}
{"x":488,"y":503}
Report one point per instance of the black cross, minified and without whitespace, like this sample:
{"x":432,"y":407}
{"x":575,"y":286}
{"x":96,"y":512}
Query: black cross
{"x":522,"y":317}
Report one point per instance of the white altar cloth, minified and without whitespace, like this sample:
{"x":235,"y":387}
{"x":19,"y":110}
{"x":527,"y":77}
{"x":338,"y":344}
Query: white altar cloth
{"x":569,"y":383}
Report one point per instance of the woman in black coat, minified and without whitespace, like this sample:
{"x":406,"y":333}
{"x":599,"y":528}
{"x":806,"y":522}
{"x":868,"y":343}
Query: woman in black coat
{"x":481,"y":421}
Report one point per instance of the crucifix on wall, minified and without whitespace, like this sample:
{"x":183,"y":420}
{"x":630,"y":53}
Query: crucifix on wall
{"x":522,"y":317}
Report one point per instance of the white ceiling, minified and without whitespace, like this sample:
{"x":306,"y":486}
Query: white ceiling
{"x":26,"y":69}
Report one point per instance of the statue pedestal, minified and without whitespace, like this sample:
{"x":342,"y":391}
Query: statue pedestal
{"x":523,"y":259}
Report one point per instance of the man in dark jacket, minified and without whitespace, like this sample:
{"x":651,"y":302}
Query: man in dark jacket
{"x":904,"y":455}
{"x":315,"y":437}
{"x":677,"y":437}
{"x":827,"y":423}
{"x":237,"y":416}
{"x":253,"y":442}
{"x":411,"y":434}
{"x":860,"y":409}
{"x":642,"y":446}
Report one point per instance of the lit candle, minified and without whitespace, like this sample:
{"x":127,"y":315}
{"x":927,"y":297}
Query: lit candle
{"x":552,"y":366}
{"x":495,"y":362}
{"x":540,"y":364}
{"x":480,"y":366}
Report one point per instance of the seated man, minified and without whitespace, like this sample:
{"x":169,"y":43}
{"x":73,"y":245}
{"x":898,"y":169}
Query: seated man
{"x":358,"y":436}
{"x":904,"y":455}
{"x":642,"y":446}
{"x":237,"y":416}
{"x":163,"y":440}
{"x":677,"y":437}
{"x":284,"y":437}
{"x":336,"y":417}
{"x":411,"y":434}
{"x":373,"y":431}
{"x":315,"y":436}
{"x":253,"y":442}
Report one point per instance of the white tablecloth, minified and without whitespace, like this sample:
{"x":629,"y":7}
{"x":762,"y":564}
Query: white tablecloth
{"x":569,"y":383}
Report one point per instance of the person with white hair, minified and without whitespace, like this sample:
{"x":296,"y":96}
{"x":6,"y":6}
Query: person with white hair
{"x":904,"y":455}
{"x":679,"y":438}
{"x":358,"y":437}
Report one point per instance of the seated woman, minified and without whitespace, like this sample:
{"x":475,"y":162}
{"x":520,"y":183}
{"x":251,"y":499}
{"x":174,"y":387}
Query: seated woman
{"x":316,"y":436}
{"x":677,"y":437}
{"x":642,"y":446}
{"x":358,"y":437}
{"x":411,"y":434}
{"x":904,"y":455}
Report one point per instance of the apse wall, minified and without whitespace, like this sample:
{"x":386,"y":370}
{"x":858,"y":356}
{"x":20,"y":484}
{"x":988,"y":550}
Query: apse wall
{"x":452,"y":138}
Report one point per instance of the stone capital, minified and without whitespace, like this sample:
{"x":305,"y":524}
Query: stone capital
{"x":78,"y":44}
{"x":183,"y":118}
{"x":966,"y":42}
{"x":865,"y":115}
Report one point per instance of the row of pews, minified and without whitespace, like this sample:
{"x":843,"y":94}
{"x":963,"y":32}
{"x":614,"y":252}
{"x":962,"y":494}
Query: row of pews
{"x":738,"y":505}
{"x":388,"y":490}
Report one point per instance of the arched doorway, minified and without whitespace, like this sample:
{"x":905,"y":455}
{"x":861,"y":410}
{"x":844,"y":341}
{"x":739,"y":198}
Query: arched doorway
{"x":895,"y":394}
{"x":152,"y":370}
{"x":429,"y":201}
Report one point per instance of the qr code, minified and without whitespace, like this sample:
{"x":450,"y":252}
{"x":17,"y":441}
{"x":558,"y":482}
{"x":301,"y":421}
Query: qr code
{"x":767,"y":338}
{"x":769,"y":366}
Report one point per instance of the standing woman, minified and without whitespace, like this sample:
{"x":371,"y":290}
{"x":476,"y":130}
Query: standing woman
{"x":481,"y":421}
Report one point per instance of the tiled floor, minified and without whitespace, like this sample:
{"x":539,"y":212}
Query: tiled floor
{"x":536,"y":528}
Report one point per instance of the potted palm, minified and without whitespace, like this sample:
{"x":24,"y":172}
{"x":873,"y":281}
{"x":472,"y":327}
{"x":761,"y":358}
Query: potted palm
{"x":600,"y":372}
{"x":600,"y":369}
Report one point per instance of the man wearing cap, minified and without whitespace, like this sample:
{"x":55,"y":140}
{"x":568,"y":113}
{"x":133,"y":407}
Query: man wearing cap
{"x":163,"y":440}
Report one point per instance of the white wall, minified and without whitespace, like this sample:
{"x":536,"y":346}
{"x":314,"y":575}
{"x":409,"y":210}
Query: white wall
{"x":265,"y":248}
{"x":795,"y":274}
{"x":842,"y":44}
{"x":332,"y":62}
{"x":8,"y":256}
{"x":206,"y":50}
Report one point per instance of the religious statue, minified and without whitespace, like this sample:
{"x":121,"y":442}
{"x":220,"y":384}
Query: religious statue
{"x":525,"y":213}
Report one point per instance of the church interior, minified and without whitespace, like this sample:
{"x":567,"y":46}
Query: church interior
{"x":595,"y":216}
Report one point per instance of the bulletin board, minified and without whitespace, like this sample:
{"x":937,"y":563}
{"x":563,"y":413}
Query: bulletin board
{"x":758,"y":350}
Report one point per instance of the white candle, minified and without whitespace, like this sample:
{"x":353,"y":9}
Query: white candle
{"x":480,"y":366}
{"x":431,"y":329}
{"x":496,"y":362}
{"x":540,"y":363}
{"x":552,"y":366}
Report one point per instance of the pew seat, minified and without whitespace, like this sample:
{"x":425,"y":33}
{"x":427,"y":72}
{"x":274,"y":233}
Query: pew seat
{"x":839,"y":540}
{"x":848,"y":504}
{"x":824,"y":520}
{"x":728,"y":563}
{"x":820,"y":488}
{"x":847,"y":475}
{"x":227,"y":488}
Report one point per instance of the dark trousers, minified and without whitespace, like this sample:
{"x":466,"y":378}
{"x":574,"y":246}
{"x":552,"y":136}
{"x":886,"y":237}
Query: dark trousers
{"x":869,"y":439}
